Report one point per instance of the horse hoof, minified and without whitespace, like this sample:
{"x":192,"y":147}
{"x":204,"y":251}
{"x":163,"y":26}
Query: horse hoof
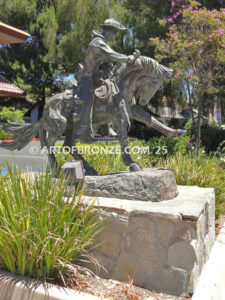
{"x":181,"y":132}
{"x":134,"y":167}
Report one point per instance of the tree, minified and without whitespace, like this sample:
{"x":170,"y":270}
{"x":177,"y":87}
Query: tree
{"x":31,"y":64}
{"x":141,"y":18}
{"x":60,"y":33}
{"x":195,"y":46}
{"x":76,"y":22}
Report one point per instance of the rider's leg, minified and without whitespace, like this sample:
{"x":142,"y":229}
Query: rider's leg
{"x":83,"y":127}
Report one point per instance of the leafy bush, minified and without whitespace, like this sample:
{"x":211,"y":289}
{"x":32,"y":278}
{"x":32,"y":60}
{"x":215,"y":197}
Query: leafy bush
{"x":211,"y":134}
{"x":212,"y":137}
{"x":4,"y":135}
{"x":201,"y":171}
{"x":220,"y":154}
{"x":106,"y":160}
{"x":41,"y":233}
{"x":11,"y":114}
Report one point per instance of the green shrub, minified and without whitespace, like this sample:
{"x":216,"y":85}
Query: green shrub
{"x":113,"y":162}
{"x":211,"y":135}
{"x":41,"y":233}
{"x":165,"y":146}
{"x":201,"y":171}
{"x":4,"y":135}
{"x":11,"y":114}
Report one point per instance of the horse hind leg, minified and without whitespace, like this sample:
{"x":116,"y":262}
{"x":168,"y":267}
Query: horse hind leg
{"x":47,"y":140}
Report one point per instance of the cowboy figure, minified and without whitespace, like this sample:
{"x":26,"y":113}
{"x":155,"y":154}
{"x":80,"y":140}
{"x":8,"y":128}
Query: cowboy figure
{"x":88,"y":76}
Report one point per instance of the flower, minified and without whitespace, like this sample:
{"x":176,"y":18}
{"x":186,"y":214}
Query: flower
{"x":173,"y":4}
{"x":210,"y":36}
{"x":220,"y":31}
{"x":170,"y":19}
{"x":190,"y":8}
{"x":176,"y":75}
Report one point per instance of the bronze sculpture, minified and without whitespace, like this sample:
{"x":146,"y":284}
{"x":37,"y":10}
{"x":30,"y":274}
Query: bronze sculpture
{"x":88,"y":76}
{"x":119,"y":99}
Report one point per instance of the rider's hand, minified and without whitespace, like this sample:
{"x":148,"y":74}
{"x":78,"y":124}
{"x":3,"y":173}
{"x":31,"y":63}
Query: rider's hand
{"x":136,"y":53}
{"x":130,"y":59}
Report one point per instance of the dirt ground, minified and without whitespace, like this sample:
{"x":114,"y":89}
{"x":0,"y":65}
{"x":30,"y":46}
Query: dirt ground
{"x":116,"y":290}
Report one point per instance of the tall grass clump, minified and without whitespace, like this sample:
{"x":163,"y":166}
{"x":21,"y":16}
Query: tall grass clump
{"x":202,"y":171}
{"x":42,"y":234}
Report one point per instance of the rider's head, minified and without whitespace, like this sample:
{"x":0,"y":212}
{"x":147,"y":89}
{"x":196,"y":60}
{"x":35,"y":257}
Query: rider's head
{"x":109,"y":29}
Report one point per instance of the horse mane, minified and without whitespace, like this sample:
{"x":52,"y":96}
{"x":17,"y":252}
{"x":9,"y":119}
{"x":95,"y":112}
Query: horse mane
{"x":148,"y":65}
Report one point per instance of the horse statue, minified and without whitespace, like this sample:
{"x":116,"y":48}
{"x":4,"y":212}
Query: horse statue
{"x":137,"y":83}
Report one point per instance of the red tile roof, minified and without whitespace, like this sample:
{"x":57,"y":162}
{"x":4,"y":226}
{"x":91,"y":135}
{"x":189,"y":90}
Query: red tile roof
{"x":8,"y":89}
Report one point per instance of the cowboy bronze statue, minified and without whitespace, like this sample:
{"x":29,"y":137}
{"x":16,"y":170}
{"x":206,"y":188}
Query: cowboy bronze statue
{"x":131,"y":85}
{"x":88,"y":75}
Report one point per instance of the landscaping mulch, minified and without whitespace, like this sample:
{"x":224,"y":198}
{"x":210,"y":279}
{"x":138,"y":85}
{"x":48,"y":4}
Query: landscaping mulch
{"x":116,"y":290}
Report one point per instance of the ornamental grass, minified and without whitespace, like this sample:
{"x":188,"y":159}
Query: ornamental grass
{"x":203,"y":171}
{"x":42,"y":234}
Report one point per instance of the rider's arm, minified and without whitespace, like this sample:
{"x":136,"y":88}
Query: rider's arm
{"x":109,"y":53}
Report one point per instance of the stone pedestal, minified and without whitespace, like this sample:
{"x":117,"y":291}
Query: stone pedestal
{"x":147,"y":185}
{"x":162,"y":246}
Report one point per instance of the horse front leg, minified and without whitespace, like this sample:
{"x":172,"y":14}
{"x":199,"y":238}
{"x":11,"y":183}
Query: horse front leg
{"x":89,"y":170}
{"x":139,"y":114}
{"x":71,"y":143}
{"x":121,"y":129}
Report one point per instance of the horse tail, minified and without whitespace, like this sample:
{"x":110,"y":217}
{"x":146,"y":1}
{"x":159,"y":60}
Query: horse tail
{"x":25,"y":133}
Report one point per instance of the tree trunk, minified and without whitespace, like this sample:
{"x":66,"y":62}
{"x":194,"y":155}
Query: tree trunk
{"x":198,"y":129}
{"x":191,"y":106}
{"x":41,"y":103}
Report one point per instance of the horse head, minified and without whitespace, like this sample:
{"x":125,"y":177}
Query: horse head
{"x":143,"y":78}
